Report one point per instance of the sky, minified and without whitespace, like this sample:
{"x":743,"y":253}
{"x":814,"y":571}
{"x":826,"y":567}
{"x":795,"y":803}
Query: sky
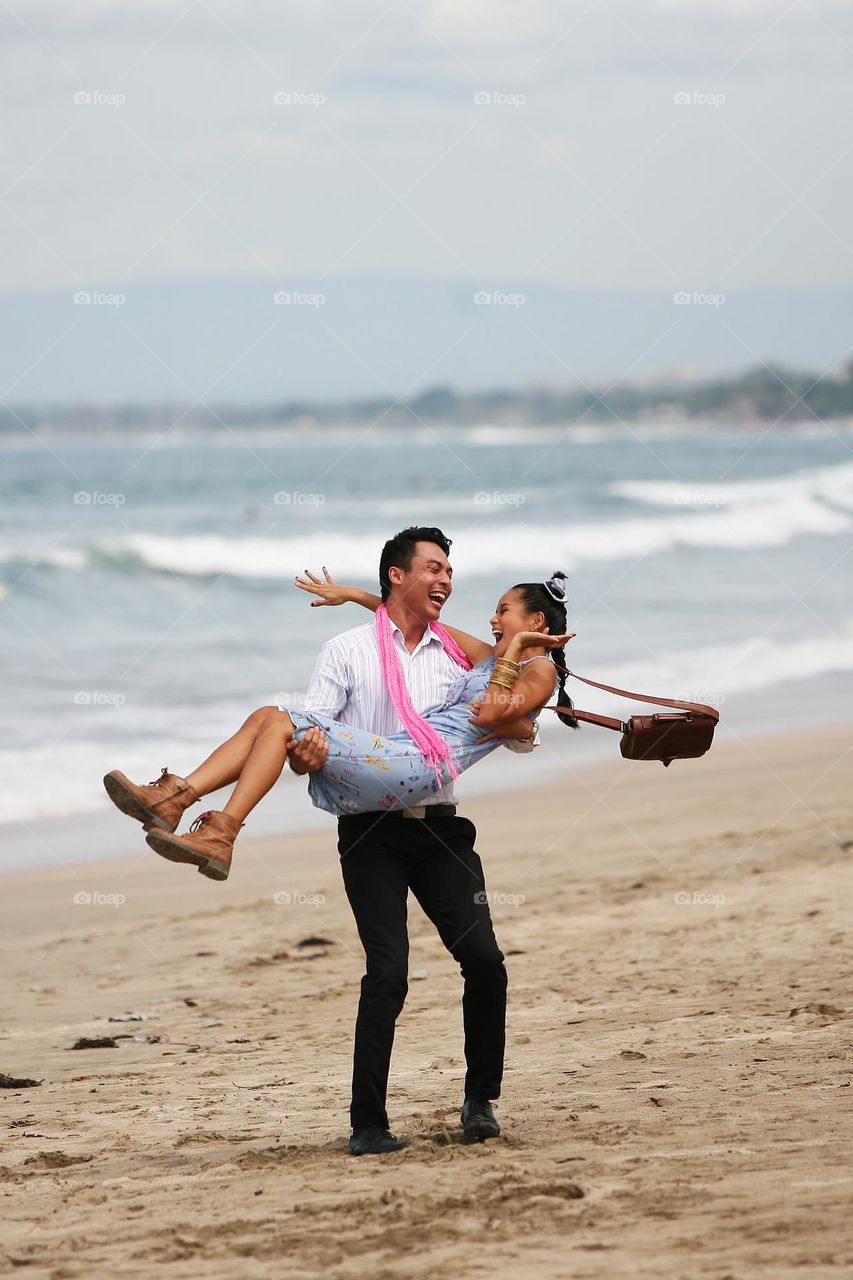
{"x":168,"y":157}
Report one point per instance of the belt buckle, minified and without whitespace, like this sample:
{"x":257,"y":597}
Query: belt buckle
{"x":418,"y":811}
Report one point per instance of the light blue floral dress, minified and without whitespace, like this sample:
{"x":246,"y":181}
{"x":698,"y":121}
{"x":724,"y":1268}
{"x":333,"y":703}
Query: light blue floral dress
{"x":364,"y":772}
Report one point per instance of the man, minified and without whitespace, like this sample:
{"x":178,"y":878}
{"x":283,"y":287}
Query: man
{"x":429,"y":850}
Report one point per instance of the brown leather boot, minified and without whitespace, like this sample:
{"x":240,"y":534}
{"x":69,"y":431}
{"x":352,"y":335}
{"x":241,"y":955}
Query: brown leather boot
{"x":208,"y":844}
{"x":160,"y":804}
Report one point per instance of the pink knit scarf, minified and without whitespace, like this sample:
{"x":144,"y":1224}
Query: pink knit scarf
{"x":431,"y":745}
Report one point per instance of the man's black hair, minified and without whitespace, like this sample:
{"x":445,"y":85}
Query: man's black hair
{"x":400,"y":549}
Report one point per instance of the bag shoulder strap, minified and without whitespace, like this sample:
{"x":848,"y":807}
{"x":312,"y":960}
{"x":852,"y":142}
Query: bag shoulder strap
{"x":609,"y":722}
{"x":700,"y":707}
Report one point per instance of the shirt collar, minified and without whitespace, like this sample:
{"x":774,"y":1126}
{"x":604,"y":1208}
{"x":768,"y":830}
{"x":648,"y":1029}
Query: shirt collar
{"x":428,"y":637}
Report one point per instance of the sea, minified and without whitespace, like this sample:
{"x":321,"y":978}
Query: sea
{"x":147,"y":598}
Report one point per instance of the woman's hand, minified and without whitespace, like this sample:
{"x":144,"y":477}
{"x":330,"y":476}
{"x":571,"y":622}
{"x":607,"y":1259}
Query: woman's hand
{"x":541,"y":640}
{"x":330,"y":592}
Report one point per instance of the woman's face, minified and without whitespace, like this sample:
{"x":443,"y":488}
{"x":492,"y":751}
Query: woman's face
{"x":510,"y":617}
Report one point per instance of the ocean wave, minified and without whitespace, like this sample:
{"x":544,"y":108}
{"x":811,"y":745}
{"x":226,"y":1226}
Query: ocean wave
{"x":514,"y":545}
{"x":712,"y":673}
{"x":509,"y":531}
{"x":480,"y":553}
{"x":832,"y":485}
{"x":21,"y":557}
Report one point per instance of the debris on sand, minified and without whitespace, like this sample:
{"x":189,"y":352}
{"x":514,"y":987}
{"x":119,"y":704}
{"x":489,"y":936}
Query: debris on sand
{"x":825,"y":1010}
{"x":15,"y":1082}
{"x":315,"y":942}
{"x":56,"y":1159}
{"x":112,"y":1042}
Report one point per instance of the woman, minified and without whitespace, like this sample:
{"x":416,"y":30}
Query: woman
{"x":499,"y":683}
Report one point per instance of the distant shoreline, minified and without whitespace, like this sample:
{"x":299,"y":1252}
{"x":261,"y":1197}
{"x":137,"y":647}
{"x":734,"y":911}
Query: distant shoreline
{"x":750,"y":399}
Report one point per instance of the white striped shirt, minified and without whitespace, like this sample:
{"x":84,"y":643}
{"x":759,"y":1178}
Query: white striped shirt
{"x":347,"y":685}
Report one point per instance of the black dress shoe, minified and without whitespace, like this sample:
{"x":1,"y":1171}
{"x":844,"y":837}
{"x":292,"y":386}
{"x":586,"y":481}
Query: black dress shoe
{"x":478,"y":1120}
{"x":374,"y":1141}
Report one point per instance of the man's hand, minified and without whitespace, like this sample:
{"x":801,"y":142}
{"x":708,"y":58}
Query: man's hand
{"x":309,"y":754}
{"x":516,"y":731}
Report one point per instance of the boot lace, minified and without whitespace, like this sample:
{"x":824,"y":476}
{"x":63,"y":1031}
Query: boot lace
{"x":201,"y":820}
{"x":181,"y":791}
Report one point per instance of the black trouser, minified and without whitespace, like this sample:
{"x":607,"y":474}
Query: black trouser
{"x":382,"y":857}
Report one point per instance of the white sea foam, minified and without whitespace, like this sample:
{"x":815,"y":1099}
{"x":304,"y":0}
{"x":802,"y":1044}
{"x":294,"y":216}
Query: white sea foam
{"x":514,"y":545}
{"x":508,"y":533}
{"x":818,"y":485}
{"x":713,"y":673}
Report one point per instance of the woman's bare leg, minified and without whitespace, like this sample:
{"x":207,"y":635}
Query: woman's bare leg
{"x":263,"y":765}
{"x":225,"y":764}
{"x":209,"y":843}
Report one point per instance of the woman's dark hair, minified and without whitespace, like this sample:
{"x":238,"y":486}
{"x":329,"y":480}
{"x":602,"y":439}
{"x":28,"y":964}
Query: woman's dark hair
{"x":536,"y":598}
{"x":400,"y":549}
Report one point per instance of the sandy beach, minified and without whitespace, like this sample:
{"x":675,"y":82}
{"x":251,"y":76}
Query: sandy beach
{"x":677,"y":1097}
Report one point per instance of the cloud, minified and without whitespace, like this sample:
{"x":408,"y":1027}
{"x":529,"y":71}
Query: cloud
{"x":597,"y":176}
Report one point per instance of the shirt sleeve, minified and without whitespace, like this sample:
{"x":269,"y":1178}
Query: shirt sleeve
{"x":528,"y":744}
{"x":329,"y":688}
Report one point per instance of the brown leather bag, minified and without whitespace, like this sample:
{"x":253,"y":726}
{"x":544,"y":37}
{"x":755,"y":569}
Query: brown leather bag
{"x":678,"y":735}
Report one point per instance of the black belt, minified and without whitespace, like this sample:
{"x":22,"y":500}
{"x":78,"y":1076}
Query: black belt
{"x":423,"y":813}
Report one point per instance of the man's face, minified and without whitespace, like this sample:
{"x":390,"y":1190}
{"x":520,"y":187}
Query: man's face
{"x":427,"y":584}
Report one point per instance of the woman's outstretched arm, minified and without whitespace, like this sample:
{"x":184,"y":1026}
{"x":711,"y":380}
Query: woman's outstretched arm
{"x":334,"y":593}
